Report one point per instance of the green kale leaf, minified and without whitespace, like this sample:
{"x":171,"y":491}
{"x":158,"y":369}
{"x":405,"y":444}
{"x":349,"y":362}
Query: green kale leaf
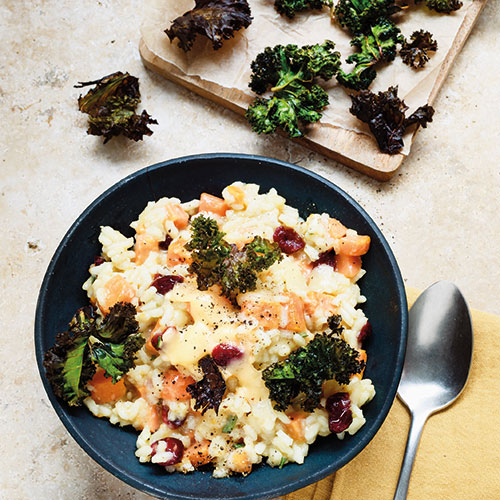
{"x":215,"y":261}
{"x":290,"y":7}
{"x":289,"y":72}
{"x":443,"y":6}
{"x":303,"y":372}
{"x":68,"y":364}
{"x":378,"y":44}
{"x":111,"y":344}
{"x":359,"y":15}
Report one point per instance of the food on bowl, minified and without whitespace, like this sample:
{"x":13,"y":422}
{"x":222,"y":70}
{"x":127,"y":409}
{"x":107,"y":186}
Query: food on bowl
{"x":253,"y":335}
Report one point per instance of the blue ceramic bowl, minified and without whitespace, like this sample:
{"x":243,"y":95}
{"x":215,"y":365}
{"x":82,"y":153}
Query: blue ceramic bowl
{"x":186,"y":178}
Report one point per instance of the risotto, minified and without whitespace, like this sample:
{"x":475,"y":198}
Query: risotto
{"x":288,"y":306}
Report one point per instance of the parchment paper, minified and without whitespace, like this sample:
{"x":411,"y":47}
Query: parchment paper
{"x":230,"y":65}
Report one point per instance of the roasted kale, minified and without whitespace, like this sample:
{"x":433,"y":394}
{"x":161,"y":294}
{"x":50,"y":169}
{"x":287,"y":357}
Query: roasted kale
{"x":303,"y":372}
{"x":115,"y":359}
{"x":209,"y":391}
{"x":385,"y":115}
{"x":68,"y":364}
{"x":443,"y":6}
{"x":421,"y":116}
{"x":119,"y":324}
{"x":111,"y":107}
{"x":359,"y":15}
{"x":260,"y":254}
{"x":241,"y":266}
{"x":111,"y":343}
{"x":289,"y":72}
{"x":215,"y":19}
{"x":208,"y":251}
{"x":215,"y":261}
{"x":280,"y":66}
{"x":334,"y":323}
{"x":378,"y":44}
{"x":291,"y":7}
{"x":416,"y":52}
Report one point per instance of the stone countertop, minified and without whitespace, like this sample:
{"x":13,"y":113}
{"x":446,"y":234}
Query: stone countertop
{"x":440,"y":213}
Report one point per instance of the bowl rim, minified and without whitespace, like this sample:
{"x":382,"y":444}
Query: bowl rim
{"x":80,"y":438}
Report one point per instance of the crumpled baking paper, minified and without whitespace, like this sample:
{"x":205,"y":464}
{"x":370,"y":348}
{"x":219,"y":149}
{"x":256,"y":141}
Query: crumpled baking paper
{"x":230,"y":65}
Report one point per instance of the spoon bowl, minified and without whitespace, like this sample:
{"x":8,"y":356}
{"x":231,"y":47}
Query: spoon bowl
{"x":437,"y":363}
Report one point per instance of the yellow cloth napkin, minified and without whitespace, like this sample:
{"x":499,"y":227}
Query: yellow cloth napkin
{"x":459,"y":453}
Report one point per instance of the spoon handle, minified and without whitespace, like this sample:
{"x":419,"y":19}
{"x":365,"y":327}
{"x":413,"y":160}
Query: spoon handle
{"x":417,"y":424}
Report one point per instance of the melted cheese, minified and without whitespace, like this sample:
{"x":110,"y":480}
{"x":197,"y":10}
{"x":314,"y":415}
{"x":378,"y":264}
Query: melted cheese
{"x":251,"y":385}
{"x":190,"y":344}
{"x":195,"y":341}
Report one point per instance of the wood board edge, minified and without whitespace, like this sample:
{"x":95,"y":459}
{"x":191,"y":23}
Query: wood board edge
{"x":458,"y":43}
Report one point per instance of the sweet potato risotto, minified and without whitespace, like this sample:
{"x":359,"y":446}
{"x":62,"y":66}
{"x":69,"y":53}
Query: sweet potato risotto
{"x":222,"y":377}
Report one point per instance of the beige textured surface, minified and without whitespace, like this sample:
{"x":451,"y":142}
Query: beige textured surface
{"x":440,"y":213}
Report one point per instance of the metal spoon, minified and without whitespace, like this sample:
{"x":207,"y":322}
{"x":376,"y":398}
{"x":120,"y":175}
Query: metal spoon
{"x":437,"y":362}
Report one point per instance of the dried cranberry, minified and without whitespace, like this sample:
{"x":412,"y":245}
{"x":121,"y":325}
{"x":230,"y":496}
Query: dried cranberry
{"x":173,"y":424}
{"x":365,"y":332}
{"x":327,"y":258}
{"x":164,"y":284}
{"x":174,"y":448}
{"x":339,"y":411}
{"x":288,"y":240}
{"x":99,"y":260}
{"x":165,"y":243}
{"x":223,"y":354}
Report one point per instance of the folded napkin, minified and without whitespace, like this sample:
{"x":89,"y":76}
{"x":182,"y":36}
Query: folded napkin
{"x":459,"y":453}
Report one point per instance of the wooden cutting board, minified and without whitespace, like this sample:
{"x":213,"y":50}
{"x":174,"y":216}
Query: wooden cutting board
{"x":356,"y":150}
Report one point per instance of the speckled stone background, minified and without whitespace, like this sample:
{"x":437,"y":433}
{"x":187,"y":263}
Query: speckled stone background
{"x":440,"y":213}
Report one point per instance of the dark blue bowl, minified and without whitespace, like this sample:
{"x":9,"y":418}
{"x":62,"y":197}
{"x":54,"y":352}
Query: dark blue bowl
{"x":186,"y":178}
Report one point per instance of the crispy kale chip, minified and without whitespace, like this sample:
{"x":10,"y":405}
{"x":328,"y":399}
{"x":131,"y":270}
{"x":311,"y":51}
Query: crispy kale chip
{"x":416,"y":52}
{"x":443,"y":6}
{"x":378,"y":44}
{"x":111,"y":106}
{"x":110,"y":344}
{"x":289,"y":72}
{"x":286,"y":111}
{"x":119,"y":324}
{"x":208,"y":250}
{"x":215,"y":261}
{"x":215,"y":19}
{"x":334,"y":323}
{"x":209,"y":391}
{"x":116,"y":357}
{"x":260,"y":254}
{"x":68,"y":364}
{"x":359,"y":15}
{"x":290,"y":7}
{"x":280,"y":66}
{"x":421,"y":116}
{"x":241,"y":266}
{"x":385,"y":115}
{"x":303,"y":372}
